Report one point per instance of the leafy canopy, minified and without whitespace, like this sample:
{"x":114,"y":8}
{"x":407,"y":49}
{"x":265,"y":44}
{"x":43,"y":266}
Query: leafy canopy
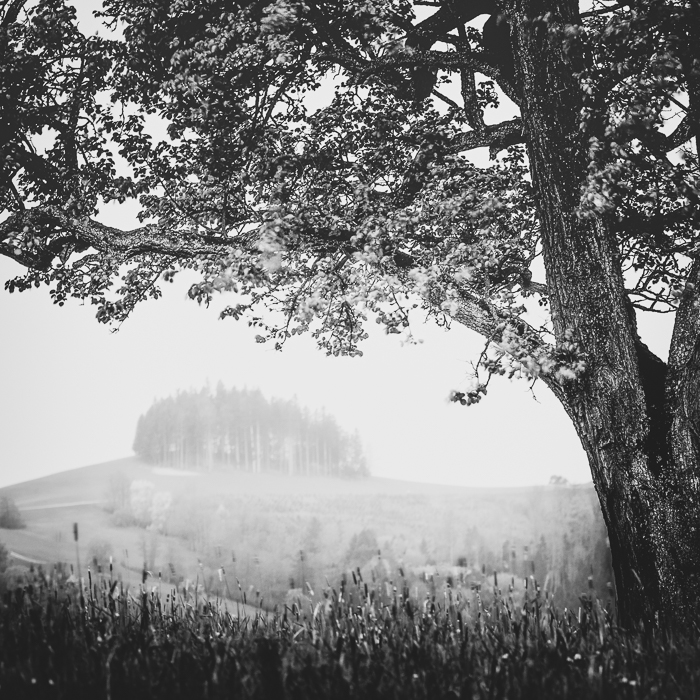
{"x":314,"y":159}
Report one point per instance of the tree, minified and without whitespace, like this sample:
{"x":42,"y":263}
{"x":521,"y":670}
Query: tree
{"x":10,"y":515}
{"x":363,"y":546}
{"x":215,"y":431}
{"x":4,"y":564}
{"x":311,"y":158}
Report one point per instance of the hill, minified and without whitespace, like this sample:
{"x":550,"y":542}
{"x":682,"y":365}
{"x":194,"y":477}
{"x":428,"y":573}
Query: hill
{"x":88,"y":484}
{"x":276,"y":532}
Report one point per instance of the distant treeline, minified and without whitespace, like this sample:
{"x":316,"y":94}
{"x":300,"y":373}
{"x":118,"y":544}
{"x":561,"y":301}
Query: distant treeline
{"x":241,"y":429}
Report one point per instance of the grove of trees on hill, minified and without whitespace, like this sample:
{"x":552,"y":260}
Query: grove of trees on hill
{"x":241,"y":429}
{"x":310,"y":160}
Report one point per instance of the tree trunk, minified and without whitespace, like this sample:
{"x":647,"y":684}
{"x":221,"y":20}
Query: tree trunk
{"x":637,"y":418}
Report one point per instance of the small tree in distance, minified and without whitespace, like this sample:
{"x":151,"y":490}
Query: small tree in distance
{"x":331,"y":209}
{"x":363,"y":546}
{"x":10,"y":515}
{"x":4,"y":564}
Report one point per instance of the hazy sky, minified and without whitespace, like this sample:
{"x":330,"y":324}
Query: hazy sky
{"x":71,"y":390}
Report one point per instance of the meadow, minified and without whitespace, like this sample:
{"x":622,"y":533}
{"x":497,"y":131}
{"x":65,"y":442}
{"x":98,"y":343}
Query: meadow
{"x":279,"y":534}
{"x":241,"y":585}
{"x":356,"y":639}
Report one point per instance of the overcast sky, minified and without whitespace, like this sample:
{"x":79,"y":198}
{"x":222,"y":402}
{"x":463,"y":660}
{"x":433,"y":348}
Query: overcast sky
{"x":71,"y":390}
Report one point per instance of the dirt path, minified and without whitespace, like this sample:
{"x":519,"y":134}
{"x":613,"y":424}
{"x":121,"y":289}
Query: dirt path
{"x":20,"y":557}
{"x":48,"y":506}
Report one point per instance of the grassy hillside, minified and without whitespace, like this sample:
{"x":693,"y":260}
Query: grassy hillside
{"x":275,"y":533}
{"x":91,"y":483}
{"x":420,"y":620}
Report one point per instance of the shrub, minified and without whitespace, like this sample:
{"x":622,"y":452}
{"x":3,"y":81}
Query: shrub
{"x":15,"y":575}
{"x":117,"y":493}
{"x":4,"y":558}
{"x":10,"y":516}
{"x":123,"y":517}
{"x":363,"y":546}
{"x":161,"y":504}
{"x":99,"y":552}
{"x":141,"y":499}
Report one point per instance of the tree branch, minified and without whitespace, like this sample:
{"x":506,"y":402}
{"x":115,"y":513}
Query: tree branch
{"x":481,"y":62}
{"x":495,"y":137}
{"x":63,"y":235}
{"x":482,"y":317}
{"x":12,"y":12}
{"x":475,"y":115}
{"x":448,"y":17}
{"x":604,"y":10}
{"x":680,"y":135}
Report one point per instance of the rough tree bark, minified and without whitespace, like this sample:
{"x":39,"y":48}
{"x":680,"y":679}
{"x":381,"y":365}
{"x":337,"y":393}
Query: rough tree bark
{"x":638,"y":419}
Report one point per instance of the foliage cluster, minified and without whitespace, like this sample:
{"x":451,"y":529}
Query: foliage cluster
{"x":241,"y":429}
{"x":4,"y":558}
{"x":10,"y":516}
{"x":354,"y":640}
{"x":99,"y":552}
{"x":335,"y":209}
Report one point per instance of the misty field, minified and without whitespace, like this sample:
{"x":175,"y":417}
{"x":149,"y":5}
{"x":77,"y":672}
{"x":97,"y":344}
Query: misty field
{"x":242,"y":585}
{"x":279,"y":535}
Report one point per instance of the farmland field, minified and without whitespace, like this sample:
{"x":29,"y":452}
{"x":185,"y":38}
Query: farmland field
{"x":260,"y":586}
{"x":276,"y":533}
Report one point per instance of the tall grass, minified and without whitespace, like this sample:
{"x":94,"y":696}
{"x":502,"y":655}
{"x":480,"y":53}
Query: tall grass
{"x":358,"y":639}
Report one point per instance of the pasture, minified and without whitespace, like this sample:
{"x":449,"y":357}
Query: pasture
{"x":260,"y":586}
{"x":276,"y":533}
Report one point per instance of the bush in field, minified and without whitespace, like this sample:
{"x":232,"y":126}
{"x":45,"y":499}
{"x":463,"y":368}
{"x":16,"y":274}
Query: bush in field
{"x":14,"y":576}
{"x":161,"y":503}
{"x":194,"y":522}
{"x":117,"y":494}
{"x":363,"y":546}
{"x":141,"y":498}
{"x":99,"y":551}
{"x":141,"y":505}
{"x":10,"y":517}
{"x":4,"y":562}
{"x":123,"y":517}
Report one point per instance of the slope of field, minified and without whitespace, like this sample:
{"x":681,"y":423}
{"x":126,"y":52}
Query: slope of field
{"x":276,"y":532}
{"x":50,"y":505}
{"x":89,"y":484}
